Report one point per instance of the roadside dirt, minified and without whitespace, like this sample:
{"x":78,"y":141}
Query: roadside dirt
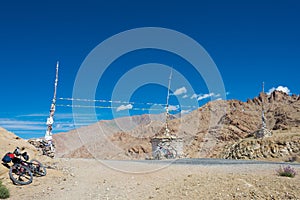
{"x":92,"y":179}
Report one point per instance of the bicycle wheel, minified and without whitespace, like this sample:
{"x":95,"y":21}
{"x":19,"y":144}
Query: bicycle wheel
{"x":157,"y":155}
{"x":173,"y":153}
{"x":20,"y":174}
{"x":38,"y":167}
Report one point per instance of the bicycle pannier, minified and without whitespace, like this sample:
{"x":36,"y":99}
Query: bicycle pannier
{"x":8,"y":157}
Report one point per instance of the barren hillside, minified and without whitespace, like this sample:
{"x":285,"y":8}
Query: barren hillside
{"x":9,"y":141}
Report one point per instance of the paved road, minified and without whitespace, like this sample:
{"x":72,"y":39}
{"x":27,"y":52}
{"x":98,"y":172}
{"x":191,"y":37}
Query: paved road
{"x":213,"y":161}
{"x":146,"y":166}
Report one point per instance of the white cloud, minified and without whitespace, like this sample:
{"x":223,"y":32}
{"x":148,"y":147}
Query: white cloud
{"x":279,"y":88}
{"x":180,"y":91}
{"x":271,"y":90}
{"x":64,"y":126}
{"x":7,"y":121}
{"x":194,"y":96}
{"x":200,"y":97}
{"x":185,"y":96}
{"x":124,"y":107}
{"x":21,"y":124}
{"x":173,"y":108}
{"x":33,"y":125}
{"x":217,"y":95}
{"x":205,"y":96}
{"x":23,"y":127}
{"x":183,"y":112}
{"x":35,"y":115}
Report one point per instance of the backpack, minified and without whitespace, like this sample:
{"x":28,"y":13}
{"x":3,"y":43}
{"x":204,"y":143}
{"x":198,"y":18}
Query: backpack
{"x":8,"y":157}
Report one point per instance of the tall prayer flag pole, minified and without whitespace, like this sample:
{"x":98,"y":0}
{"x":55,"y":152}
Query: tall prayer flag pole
{"x":48,"y":135}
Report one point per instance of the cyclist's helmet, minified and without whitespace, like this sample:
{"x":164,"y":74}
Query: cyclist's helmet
{"x":17,"y":151}
{"x":25,"y":156}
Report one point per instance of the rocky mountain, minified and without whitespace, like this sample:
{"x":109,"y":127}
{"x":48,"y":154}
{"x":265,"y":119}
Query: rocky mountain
{"x":206,"y":132}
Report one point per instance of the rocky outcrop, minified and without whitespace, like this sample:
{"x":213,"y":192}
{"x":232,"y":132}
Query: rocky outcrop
{"x":43,"y":147}
{"x":278,"y":148}
{"x":133,"y":147}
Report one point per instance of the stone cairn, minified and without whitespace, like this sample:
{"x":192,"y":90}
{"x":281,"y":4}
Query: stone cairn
{"x":43,"y":147}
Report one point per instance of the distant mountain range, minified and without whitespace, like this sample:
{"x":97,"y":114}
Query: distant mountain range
{"x":205,"y":131}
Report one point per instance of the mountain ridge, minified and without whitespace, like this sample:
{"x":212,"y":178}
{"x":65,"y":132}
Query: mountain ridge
{"x":206,"y":131}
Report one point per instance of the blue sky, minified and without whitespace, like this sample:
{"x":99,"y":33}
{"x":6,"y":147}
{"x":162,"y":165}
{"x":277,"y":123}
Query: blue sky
{"x":249,"y":41}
